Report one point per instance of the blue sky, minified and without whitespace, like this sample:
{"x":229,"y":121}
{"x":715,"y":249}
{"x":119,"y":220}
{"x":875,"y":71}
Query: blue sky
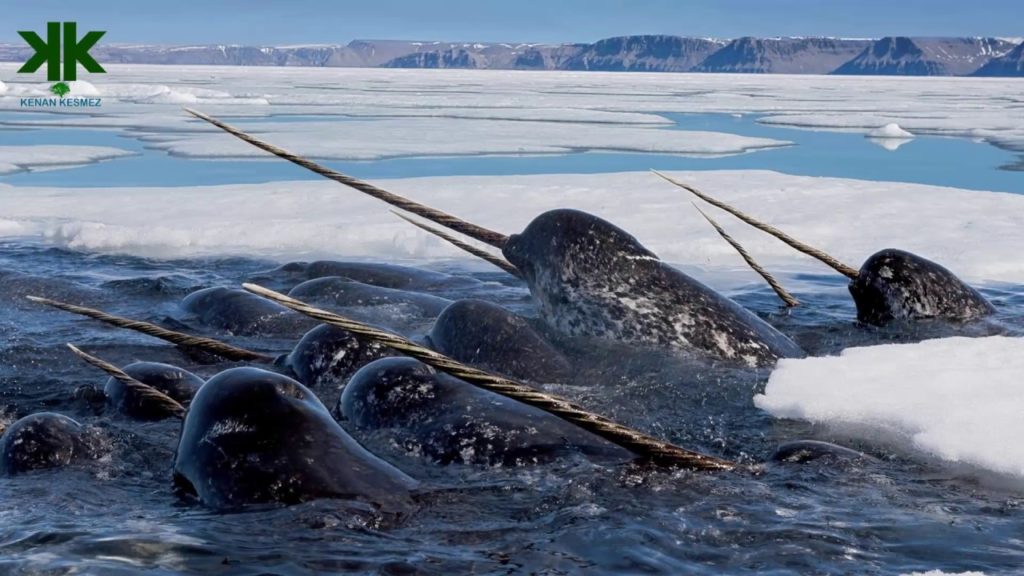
{"x":324,"y":21}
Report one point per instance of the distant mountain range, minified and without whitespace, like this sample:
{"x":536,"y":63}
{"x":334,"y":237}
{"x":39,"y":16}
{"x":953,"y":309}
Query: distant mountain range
{"x":894,"y":55}
{"x":926,"y":56}
{"x":1009,"y":64}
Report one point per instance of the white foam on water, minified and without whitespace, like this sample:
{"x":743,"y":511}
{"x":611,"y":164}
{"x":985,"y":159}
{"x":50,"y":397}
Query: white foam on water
{"x":955,"y":399}
{"x":941,"y":573}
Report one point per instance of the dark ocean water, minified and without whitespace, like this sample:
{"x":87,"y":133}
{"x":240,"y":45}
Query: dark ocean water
{"x":118,"y":515}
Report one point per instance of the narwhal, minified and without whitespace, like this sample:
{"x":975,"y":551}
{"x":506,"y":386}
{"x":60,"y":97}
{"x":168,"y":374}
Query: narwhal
{"x":472,"y":331}
{"x":593,"y":279}
{"x":240,"y":389}
{"x":248,"y":436}
{"x":891,"y":285}
{"x":42,"y":441}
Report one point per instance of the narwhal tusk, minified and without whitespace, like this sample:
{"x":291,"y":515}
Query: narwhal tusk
{"x":786,"y":297}
{"x":210,"y":345}
{"x":480,"y":233}
{"x":496,"y":260}
{"x":643,"y":445}
{"x":811,"y":251}
{"x":171,"y":406}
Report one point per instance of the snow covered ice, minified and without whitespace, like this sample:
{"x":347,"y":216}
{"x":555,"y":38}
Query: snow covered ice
{"x":979,"y":108}
{"x":957,"y":399}
{"x":975,"y":234}
{"x":376,"y":139}
{"x":18,"y":158}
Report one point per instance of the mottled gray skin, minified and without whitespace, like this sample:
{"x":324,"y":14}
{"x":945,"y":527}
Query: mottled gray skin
{"x":244,"y":314}
{"x":384,"y":275}
{"x":327,"y":356}
{"x":594,"y":279}
{"x":897,"y":285}
{"x":175,"y":382}
{"x":488,"y":336}
{"x":40,"y":441}
{"x":335,"y":292}
{"x":801,"y":451}
{"x":254,"y":436}
{"x":14,"y":286}
{"x":450,"y":421}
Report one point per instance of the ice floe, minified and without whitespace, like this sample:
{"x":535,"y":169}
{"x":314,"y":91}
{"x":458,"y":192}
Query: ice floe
{"x":46,"y":157}
{"x":969,"y":107}
{"x":975,"y":234}
{"x":957,"y":399}
{"x":388,"y":138}
{"x":419,"y":134}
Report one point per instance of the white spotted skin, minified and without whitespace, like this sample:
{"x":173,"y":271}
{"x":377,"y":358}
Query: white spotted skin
{"x":594,"y":280}
{"x":436,"y":416}
{"x":668,"y":310}
{"x":894,"y":285}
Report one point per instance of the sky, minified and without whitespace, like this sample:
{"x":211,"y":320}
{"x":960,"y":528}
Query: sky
{"x":554,"y":21}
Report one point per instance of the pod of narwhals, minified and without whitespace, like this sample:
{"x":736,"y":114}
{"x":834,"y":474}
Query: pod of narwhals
{"x":264,"y":432}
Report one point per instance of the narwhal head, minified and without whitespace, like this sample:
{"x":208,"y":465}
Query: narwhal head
{"x":569,"y":257}
{"x":571,"y":243}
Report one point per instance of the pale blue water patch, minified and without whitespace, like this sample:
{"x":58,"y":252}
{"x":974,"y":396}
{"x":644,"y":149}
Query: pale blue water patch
{"x":938,"y":160}
{"x":933,"y":160}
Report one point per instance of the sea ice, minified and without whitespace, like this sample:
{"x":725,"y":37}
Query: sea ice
{"x":18,"y":158}
{"x":388,"y":138}
{"x":975,"y":234}
{"x":957,"y":399}
{"x":968,"y":107}
{"x":83,"y":89}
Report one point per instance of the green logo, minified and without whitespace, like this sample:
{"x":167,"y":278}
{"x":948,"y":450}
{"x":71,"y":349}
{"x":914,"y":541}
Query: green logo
{"x":61,"y":89}
{"x":49,"y":52}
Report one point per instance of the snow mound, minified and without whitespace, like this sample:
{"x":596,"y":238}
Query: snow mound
{"x":891,"y":130}
{"x":168,"y":96}
{"x":957,"y":399}
{"x":3,"y":87}
{"x":83,"y":88}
